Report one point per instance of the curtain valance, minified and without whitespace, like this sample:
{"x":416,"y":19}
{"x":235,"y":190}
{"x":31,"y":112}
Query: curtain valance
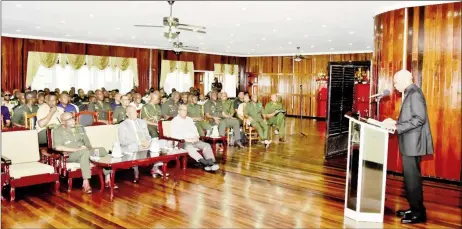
{"x":226,"y":69}
{"x":48,"y":60}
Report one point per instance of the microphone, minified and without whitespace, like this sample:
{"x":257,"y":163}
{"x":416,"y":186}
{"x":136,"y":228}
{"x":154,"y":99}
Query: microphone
{"x":385,"y":92}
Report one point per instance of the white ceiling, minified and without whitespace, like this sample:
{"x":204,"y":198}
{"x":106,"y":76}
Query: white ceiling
{"x":233,"y":28}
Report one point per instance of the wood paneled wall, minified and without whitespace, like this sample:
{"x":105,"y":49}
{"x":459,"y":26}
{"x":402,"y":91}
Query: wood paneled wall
{"x":15,"y":53}
{"x":282,"y":75}
{"x":433,"y":55}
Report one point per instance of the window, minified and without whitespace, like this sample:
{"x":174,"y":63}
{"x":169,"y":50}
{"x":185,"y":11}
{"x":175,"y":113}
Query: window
{"x":178,"y":80}
{"x":85,"y":78}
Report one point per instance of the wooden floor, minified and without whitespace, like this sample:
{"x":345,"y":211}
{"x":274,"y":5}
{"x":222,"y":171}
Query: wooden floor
{"x":287,"y":186}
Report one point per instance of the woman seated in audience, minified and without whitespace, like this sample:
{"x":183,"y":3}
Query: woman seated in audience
{"x":6,"y":119}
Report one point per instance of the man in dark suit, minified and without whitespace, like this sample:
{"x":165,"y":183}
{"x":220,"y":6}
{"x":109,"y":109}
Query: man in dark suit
{"x":415,"y":140}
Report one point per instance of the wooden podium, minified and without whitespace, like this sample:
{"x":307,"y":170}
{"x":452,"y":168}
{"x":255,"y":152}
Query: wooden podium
{"x":366,"y":170}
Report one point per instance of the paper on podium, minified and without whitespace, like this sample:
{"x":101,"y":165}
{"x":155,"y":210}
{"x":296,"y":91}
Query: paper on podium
{"x":378,"y":124}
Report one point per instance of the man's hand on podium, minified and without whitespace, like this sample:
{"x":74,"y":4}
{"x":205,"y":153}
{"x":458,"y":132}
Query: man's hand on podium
{"x":389,"y":124}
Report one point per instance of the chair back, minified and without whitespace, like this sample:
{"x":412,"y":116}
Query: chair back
{"x":21,"y":146}
{"x":30,"y":120}
{"x":164,"y":129}
{"x":103,"y":135}
{"x":86,"y":118}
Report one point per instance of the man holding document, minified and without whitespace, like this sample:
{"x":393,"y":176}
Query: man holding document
{"x":415,"y":140}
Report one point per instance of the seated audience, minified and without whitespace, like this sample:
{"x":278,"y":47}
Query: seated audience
{"x":20,"y":100}
{"x":274,"y":114}
{"x":240,"y":109}
{"x":134,"y":136}
{"x":183,"y":128}
{"x":6,"y":119}
{"x":184,"y":98}
{"x":117,"y":102}
{"x":163,"y":100}
{"x":46,"y":91}
{"x":170,"y":108}
{"x":41,"y":99}
{"x":202,"y":100}
{"x":100,"y":107}
{"x":49,"y":114}
{"x":6,"y":101}
{"x":80,"y":98}
{"x":196,"y":113}
{"x":151,"y":113}
{"x":64,"y":103}
{"x":238,"y":101}
{"x":119,"y":112}
{"x":29,"y":107}
{"x":253,"y":112}
{"x":74,"y":142}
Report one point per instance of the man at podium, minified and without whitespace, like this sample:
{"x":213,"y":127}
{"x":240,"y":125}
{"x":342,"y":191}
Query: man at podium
{"x":415,"y":140}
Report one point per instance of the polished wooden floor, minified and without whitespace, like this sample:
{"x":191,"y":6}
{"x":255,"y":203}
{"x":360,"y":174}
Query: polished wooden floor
{"x":289,"y":185}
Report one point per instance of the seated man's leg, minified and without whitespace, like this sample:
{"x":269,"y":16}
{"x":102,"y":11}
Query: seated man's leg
{"x":153,"y":131}
{"x":82,"y":157}
{"x":234,"y":123}
{"x":192,"y":151}
{"x":42,"y":137}
{"x":205,"y":126}
{"x":206,"y":150}
{"x":264,"y":126}
{"x":102,"y":153}
{"x":199,"y":128}
{"x":259,"y":128}
{"x":222,"y":127}
{"x":280,"y":124}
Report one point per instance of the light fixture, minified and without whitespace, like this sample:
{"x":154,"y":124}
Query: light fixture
{"x":274,"y":30}
{"x":229,"y":47}
{"x":67,"y":35}
{"x":244,"y":9}
{"x":263,"y":39}
{"x":62,"y":22}
{"x":37,"y":27}
{"x":231,"y":42}
{"x":329,"y":40}
{"x":258,"y":45}
{"x":232,"y":35}
{"x":202,"y":43}
{"x":18,"y":30}
{"x":91,"y":15}
{"x":117,"y":28}
{"x":290,"y":42}
{"x":133,"y":37}
{"x":350,"y":44}
{"x":324,"y":26}
{"x":331,"y":48}
{"x":253,"y":49}
{"x":238,"y":24}
{"x":288,"y":19}
{"x":352,"y":32}
{"x":368,"y":47}
{"x":297,"y":59}
{"x":280,"y":47}
{"x":312,"y":46}
{"x":306,"y":35}
{"x":18,"y":5}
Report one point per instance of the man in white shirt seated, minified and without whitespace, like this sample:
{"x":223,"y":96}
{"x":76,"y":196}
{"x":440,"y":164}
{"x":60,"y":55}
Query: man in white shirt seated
{"x":183,"y":128}
{"x":49,"y":114}
{"x":137,"y":102}
{"x":134,"y":136}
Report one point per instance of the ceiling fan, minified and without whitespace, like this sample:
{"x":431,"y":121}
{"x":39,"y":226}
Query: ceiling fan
{"x":172,"y":24}
{"x":179,"y":46}
{"x":298,"y":57}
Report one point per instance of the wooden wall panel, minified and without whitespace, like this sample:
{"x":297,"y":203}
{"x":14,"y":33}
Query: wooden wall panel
{"x":284,"y":76}
{"x":433,"y":55}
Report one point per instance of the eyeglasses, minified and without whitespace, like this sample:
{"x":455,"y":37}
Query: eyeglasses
{"x":7,"y":95}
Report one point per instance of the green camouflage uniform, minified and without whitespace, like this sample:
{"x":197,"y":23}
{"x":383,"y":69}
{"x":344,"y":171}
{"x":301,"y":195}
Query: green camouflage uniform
{"x":18,"y":114}
{"x":195,"y":111}
{"x":101,"y":108}
{"x":278,"y":119}
{"x":228,"y":109}
{"x":170,"y":108}
{"x":151,"y":113}
{"x":254,"y":110}
{"x":119,"y":115}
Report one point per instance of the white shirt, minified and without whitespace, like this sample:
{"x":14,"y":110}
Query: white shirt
{"x":182,"y":128}
{"x":137,"y":107}
{"x":43,"y":111}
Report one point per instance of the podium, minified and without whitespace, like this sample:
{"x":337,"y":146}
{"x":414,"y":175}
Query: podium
{"x":366,"y":170}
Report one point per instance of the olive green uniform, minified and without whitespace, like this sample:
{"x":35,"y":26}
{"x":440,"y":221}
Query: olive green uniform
{"x":195,"y":111}
{"x":101,"y":108}
{"x":216,"y":109}
{"x":254,"y":110}
{"x":170,"y":108}
{"x":119,"y":115}
{"x":76,"y":137}
{"x":278,"y":119}
{"x":151,"y":113}
{"x":18,"y":114}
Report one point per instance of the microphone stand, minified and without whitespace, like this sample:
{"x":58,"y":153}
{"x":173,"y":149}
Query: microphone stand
{"x":377,"y":102}
{"x":301,"y":111}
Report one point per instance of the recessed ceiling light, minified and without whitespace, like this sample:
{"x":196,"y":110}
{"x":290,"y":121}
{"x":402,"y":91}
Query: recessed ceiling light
{"x":229,"y":47}
{"x":288,"y":19}
{"x":89,"y":32}
{"x":91,"y":15}
{"x":368,"y":47}
{"x":18,"y":5}
{"x":232,"y":35}
{"x":231,"y":42}
{"x":306,"y":35}
{"x":144,"y":42}
{"x":263,"y":39}
{"x":62,"y":22}
{"x":238,"y":24}
{"x":248,"y":53}
{"x":133,"y":37}
{"x":331,"y":48}
{"x":244,"y":9}
{"x":258,"y":45}
{"x":18,"y":30}
{"x":352,"y":32}
{"x":204,"y":48}
{"x":324,"y":26}
{"x":290,"y":42}
{"x":274,"y":30}
{"x":350,"y":43}
{"x":312,"y":46}
{"x":118,"y":28}
{"x":253,"y":49}
{"x":67,"y":35}
{"x":202,"y":43}
{"x":37,"y":27}
{"x":329,"y":40}
{"x":280,"y":47}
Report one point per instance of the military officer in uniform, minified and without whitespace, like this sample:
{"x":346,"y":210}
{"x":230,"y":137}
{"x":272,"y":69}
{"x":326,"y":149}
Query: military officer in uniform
{"x":170,"y":108}
{"x":151,"y":114}
{"x":29,"y":107}
{"x":73,"y":141}
{"x":195,"y":112}
{"x":274,"y":114}
{"x":253,"y":112}
{"x":100,"y":106}
{"x":228,"y":120}
{"x":119,"y":113}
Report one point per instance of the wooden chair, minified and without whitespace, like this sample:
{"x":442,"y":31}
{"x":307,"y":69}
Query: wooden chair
{"x":249,"y":131}
{"x":30,"y":120}
{"x":110,"y":117}
{"x":24,"y":168}
{"x":94,"y":116}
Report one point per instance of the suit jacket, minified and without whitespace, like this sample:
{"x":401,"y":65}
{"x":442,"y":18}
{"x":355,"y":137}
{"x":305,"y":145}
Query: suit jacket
{"x":414,"y":135}
{"x":127,"y":135}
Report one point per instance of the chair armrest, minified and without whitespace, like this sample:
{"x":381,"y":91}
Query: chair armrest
{"x":6,"y":160}
{"x":61,"y":154}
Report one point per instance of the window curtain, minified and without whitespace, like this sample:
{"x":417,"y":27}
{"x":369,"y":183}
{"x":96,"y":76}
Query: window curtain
{"x":208,"y":80}
{"x":121,"y":67}
{"x":176,"y":74}
{"x":229,"y":75}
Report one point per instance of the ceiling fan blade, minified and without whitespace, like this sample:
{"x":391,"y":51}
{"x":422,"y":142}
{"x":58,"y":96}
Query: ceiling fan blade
{"x":192,"y":30}
{"x":150,"y":26}
{"x":191,"y":48}
{"x":194,"y":26}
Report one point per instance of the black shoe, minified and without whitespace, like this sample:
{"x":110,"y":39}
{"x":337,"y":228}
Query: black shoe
{"x":411,"y":219}
{"x":401,"y":213}
{"x":210,"y":162}
{"x":203,"y":162}
{"x":238,"y":144}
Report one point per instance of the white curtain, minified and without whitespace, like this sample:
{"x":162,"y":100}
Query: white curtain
{"x":230,"y":84}
{"x":208,"y":80}
{"x":178,"y":80}
{"x":87,"y":79}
